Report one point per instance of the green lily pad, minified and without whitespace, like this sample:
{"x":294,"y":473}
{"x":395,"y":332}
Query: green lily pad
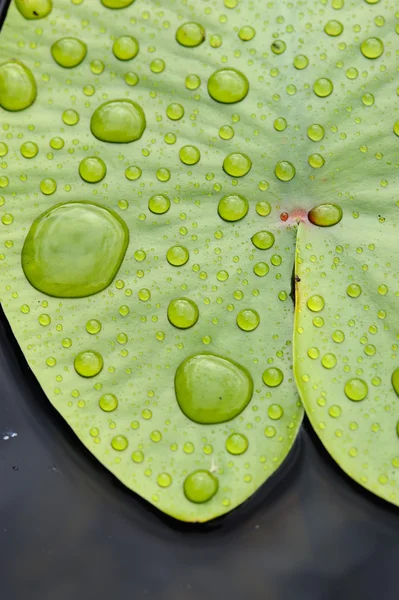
{"x":148,"y":287}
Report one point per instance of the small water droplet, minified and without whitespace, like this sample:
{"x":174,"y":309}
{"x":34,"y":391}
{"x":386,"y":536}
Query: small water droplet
{"x":119,"y":443}
{"x":183,"y":313}
{"x":248,"y":319}
{"x":263,"y":208}
{"x":285,"y":170}
{"x":263,"y":240}
{"x":356,"y":389}
{"x":92,"y":169}
{"x":316,"y":132}
{"x":228,"y":86}
{"x":70,"y":117}
{"x":325,"y":215}
{"x":200,"y":486}
{"x":17,"y":86}
{"x":177,"y":256}
{"x":233,"y":207}
{"x":278,"y":46}
{"x":323,"y":87}
{"x":275,"y":412}
{"x":189,"y":155}
{"x":190,"y":35}
{"x":246,"y":33}
{"x":125,"y":47}
{"x":272,"y":377}
{"x":333,"y":28}
{"x":236,"y":444}
{"x":261,"y":269}
{"x":301,"y":62}
{"x":93,"y":326}
{"x":29,"y":149}
{"x":372,"y":48}
{"x":192,"y":82}
{"x":164,"y":480}
{"x":88,"y":363}
{"x":316,"y":161}
{"x":108,"y":402}
{"x":315,"y":303}
{"x":175,"y":111}
{"x":237,"y":164}
{"x":159,"y":204}
{"x":395,"y":381}
{"x":354,"y":290}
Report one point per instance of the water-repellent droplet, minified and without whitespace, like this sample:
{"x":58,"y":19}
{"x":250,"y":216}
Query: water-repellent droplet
{"x":354,"y":290}
{"x":395,"y":381}
{"x":316,"y":161}
{"x":278,"y":46}
{"x":233,"y":207}
{"x":246,"y":33}
{"x":93,"y":326}
{"x":92,"y":169}
{"x":263,"y":240}
{"x":325,"y":215}
{"x":237,"y":443}
{"x":237,"y":164}
{"x":125,"y":47}
{"x":212,"y":389}
{"x":356,"y":389}
{"x":108,"y":402}
{"x":177,"y":256}
{"x":74,"y":249}
{"x":315,"y":303}
{"x":228,"y":86}
{"x":17,"y":86}
{"x":248,"y":319}
{"x":189,"y":155}
{"x":261,"y":269}
{"x":192,"y":82}
{"x":333,"y":28}
{"x":48,"y":186}
{"x":190,"y":35}
{"x":323,"y":87}
{"x":301,"y":62}
{"x":119,"y":443}
{"x":159,"y":204}
{"x":164,"y":480}
{"x":68,"y":52}
{"x":315,"y":132}
{"x":280,"y":124}
{"x":200,"y":486}
{"x":34,"y":9}
{"x":275,"y":412}
{"x":372,"y":48}
{"x":183,"y":313}
{"x":88,"y":363}
{"x":70,"y":117}
{"x":273,"y":377}
{"x":116,"y":4}
{"x":118,"y":121}
{"x":285,"y":171}
{"x":29,"y":149}
{"x":263,"y":208}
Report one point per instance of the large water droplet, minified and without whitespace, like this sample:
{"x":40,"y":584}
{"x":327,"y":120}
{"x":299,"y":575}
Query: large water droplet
{"x":189,"y":155}
{"x":190,"y":35}
{"x":333,"y":28}
{"x":125,"y":47}
{"x":200,"y":486}
{"x":183,"y":313}
{"x":177,"y":256}
{"x":17,"y":86}
{"x":159,"y":204}
{"x":74,"y":249}
{"x":356,"y":389}
{"x":233,"y":207}
{"x":228,"y":86}
{"x":34,"y":9}
{"x":68,"y":52}
{"x":372,"y":48}
{"x":88,"y":363}
{"x":395,"y":381}
{"x":237,"y":164}
{"x":117,"y":3}
{"x":119,"y":121}
{"x":236,"y":443}
{"x":325,"y":215}
{"x":212,"y":389}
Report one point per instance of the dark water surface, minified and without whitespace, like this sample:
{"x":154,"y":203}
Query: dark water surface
{"x":69,"y":530}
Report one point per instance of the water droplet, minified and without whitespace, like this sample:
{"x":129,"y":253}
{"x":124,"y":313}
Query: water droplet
{"x":200,"y":486}
{"x":119,"y":443}
{"x":325,"y":215}
{"x":125,"y":47}
{"x":44,"y":320}
{"x":275,"y":412}
{"x":236,"y":444}
{"x":396,"y":128}
{"x":316,"y":132}
{"x":117,"y":4}
{"x":301,"y":62}
{"x":313,"y":353}
{"x":237,"y":164}
{"x":333,"y":28}
{"x":338,"y":336}
{"x":270,"y":431}
{"x":175,"y":111}
{"x":261,"y":269}
{"x":329,"y":361}
{"x":60,"y":259}
{"x":395,"y":383}
{"x":70,"y":117}
{"x":155,"y":436}
{"x":68,"y":52}
{"x":323,"y":87}
{"x":190,"y":35}
{"x":228,"y":86}
{"x":97,"y":67}
{"x":315,"y":303}
{"x":354,"y":290}
{"x":189,"y":155}
{"x":233,"y":207}
{"x":159,"y":204}
{"x":48,"y":186}
{"x":246,"y":33}
{"x":88,"y":363}
{"x":372,"y":48}
{"x":164,"y":480}
{"x":356,"y":389}
{"x":132,"y":173}
{"x":316,"y":161}
{"x":226,"y":132}
{"x":108,"y":402}
{"x":263,"y":208}
{"x":92,"y":169}
{"x":93,"y":326}
{"x":212,"y":389}
{"x":3,"y":149}
{"x":29,"y":149}
{"x":157,"y":65}
{"x":278,"y":46}
{"x":263,"y":240}
{"x":183,"y":313}
{"x":248,"y":319}
{"x":34,"y":9}
{"x":280,"y":124}
{"x":177,"y":256}
{"x":118,"y":121}
{"x":17,"y":86}
{"x":272,"y":377}
{"x":137,"y":456}
{"x":285,"y":171}
{"x":192,"y":82}
{"x":334,"y":411}
{"x":57,"y":143}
